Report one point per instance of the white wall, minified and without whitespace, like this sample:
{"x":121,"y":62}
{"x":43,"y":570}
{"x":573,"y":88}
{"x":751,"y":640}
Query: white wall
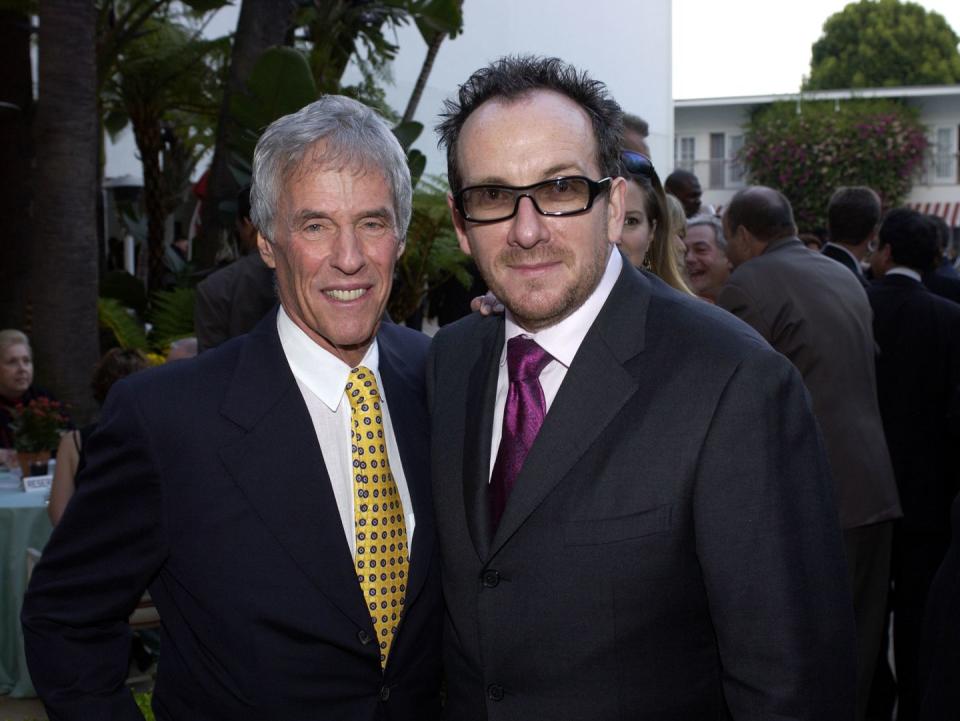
{"x":625,"y":44}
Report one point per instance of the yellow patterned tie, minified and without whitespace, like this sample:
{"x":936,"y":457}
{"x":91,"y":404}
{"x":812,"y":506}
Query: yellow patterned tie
{"x":378,"y":512}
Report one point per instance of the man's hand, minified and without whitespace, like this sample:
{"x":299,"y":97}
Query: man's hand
{"x":487,"y":304}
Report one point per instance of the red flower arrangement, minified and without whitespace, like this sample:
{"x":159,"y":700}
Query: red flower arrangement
{"x":38,"y":425}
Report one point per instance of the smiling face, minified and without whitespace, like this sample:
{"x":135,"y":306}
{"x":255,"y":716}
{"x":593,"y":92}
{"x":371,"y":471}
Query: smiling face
{"x":542,"y":268}
{"x":334,"y":251}
{"x":16,"y":370}
{"x":707,"y":265}
{"x":637,"y":227}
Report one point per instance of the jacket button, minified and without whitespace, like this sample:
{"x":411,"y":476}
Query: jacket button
{"x":495,"y":692}
{"x":364,"y":637}
{"x":491,"y":578}
{"x":384,"y":693}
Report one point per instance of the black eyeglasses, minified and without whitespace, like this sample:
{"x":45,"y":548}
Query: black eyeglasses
{"x":637,"y":164}
{"x":559,"y":196}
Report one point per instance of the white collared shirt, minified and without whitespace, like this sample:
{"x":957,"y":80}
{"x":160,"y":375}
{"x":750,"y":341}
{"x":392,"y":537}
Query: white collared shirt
{"x":903,"y":270}
{"x":322,"y":378}
{"x":562,"y":341}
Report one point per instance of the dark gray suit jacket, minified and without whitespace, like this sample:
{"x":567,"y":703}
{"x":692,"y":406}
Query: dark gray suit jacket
{"x":231,"y":301}
{"x":815,"y":312}
{"x":670,"y":548}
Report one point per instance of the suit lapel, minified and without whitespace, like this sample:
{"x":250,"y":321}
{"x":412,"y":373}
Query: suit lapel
{"x":404,"y":391}
{"x":572,"y":425}
{"x":478,"y":435}
{"x":278,"y":465}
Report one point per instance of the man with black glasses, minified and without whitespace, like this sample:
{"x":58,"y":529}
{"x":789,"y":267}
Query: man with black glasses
{"x":632,"y":499}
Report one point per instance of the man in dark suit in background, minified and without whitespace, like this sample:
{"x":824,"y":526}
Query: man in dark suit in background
{"x":633,"y":504}
{"x":942,"y":278}
{"x":231,"y":301}
{"x":815,"y":312}
{"x":853,"y":219}
{"x":918,"y":377}
{"x":268,"y":491}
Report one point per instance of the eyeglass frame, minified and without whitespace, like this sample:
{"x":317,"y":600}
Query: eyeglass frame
{"x":595,"y":188}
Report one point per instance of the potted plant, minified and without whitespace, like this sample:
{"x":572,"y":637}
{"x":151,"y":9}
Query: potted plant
{"x":37,"y":427}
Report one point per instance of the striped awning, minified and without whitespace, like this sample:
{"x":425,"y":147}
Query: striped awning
{"x":948,"y":210}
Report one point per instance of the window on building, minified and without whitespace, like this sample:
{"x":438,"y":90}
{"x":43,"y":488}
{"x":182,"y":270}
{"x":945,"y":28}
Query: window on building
{"x":944,"y":154}
{"x":718,"y":159}
{"x":684,"y":153}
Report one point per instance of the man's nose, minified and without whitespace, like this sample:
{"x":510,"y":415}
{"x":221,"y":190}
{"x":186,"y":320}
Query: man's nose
{"x":528,"y":227}
{"x":348,"y":255}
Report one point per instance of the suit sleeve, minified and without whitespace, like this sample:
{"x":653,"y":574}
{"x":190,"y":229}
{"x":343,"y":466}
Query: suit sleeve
{"x":771,"y":550}
{"x":735,"y":299}
{"x":107,"y":548}
{"x":210,"y":317}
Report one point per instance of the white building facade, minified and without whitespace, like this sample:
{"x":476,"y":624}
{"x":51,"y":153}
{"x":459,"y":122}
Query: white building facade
{"x":709,"y":132}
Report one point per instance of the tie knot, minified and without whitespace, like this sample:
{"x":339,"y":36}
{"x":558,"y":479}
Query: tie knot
{"x":525,"y":359}
{"x":362,"y":389}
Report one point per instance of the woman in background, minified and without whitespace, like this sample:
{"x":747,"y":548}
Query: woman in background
{"x":648,"y":239}
{"x":114,"y":365}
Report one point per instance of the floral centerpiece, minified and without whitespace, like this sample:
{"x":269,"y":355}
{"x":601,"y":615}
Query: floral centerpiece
{"x":37,"y":425}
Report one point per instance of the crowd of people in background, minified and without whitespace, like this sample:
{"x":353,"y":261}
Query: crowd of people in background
{"x":868,"y":316}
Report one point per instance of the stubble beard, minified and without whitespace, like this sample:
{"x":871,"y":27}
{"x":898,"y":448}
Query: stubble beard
{"x":538,"y":305}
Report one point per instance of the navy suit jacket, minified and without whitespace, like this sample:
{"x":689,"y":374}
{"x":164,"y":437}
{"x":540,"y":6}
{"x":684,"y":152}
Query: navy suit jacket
{"x":670,"y":549}
{"x":918,"y":382}
{"x":205,"y":482}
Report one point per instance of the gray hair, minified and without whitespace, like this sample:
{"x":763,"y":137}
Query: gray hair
{"x":714,"y":222}
{"x":11,"y":337}
{"x":354,"y":135}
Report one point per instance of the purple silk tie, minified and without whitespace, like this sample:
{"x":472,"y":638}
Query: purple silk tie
{"x":522,"y":417}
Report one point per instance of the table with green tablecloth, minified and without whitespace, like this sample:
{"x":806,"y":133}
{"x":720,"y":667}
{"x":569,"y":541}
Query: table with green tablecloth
{"x":23,"y":524}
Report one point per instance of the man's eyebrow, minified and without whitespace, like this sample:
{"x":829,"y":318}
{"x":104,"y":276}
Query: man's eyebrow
{"x":310,"y":214}
{"x":550,"y":173}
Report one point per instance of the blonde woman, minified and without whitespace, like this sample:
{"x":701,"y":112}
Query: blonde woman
{"x":648,"y":235}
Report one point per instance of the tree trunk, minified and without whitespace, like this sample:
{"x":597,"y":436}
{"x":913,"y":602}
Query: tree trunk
{"x":16,"y":111}
{"x":425,"y":71}
{"x":146,"y":132}
{"x":262,"y":24}
{"x":63,"y":284}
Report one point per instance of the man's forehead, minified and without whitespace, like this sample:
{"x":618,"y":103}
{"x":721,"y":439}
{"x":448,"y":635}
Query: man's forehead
{"x":536,"y":124}
{"x":702,"y":233}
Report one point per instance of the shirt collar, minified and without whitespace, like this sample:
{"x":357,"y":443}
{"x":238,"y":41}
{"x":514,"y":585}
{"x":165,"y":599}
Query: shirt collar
{"x":854,"y":258}
{"x":315,"y":367}
{"x":562,"y":341}
{"x":902,"y":270}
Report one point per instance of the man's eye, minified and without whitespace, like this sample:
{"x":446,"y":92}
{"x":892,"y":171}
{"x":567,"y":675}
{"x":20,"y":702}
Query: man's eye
{"x":559,"y":187}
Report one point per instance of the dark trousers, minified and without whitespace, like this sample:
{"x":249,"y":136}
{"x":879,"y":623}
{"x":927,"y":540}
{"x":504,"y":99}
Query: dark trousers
{"x":868,"y":566}
{"x":917,"y":555}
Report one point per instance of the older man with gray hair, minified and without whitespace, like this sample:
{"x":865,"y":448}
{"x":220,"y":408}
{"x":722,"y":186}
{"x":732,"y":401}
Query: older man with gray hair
{"x":706,"y":256}
{"x":267,"y":491}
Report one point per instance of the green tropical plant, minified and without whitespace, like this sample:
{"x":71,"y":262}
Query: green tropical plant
{"x":166,"y":85}
{"x":171,"y":315}
{"x":127,"y":330}
{"x":807,"y":155}
{"x":432,"y":254}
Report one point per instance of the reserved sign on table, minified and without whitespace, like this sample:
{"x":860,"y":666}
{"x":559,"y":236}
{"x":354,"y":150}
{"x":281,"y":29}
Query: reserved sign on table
{"x":37,"y":484}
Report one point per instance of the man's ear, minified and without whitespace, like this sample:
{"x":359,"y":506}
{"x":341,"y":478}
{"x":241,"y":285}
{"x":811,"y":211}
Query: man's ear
{"x":616,"y":209}
{"x":459,"y":225}
{"x":266,"y":250}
